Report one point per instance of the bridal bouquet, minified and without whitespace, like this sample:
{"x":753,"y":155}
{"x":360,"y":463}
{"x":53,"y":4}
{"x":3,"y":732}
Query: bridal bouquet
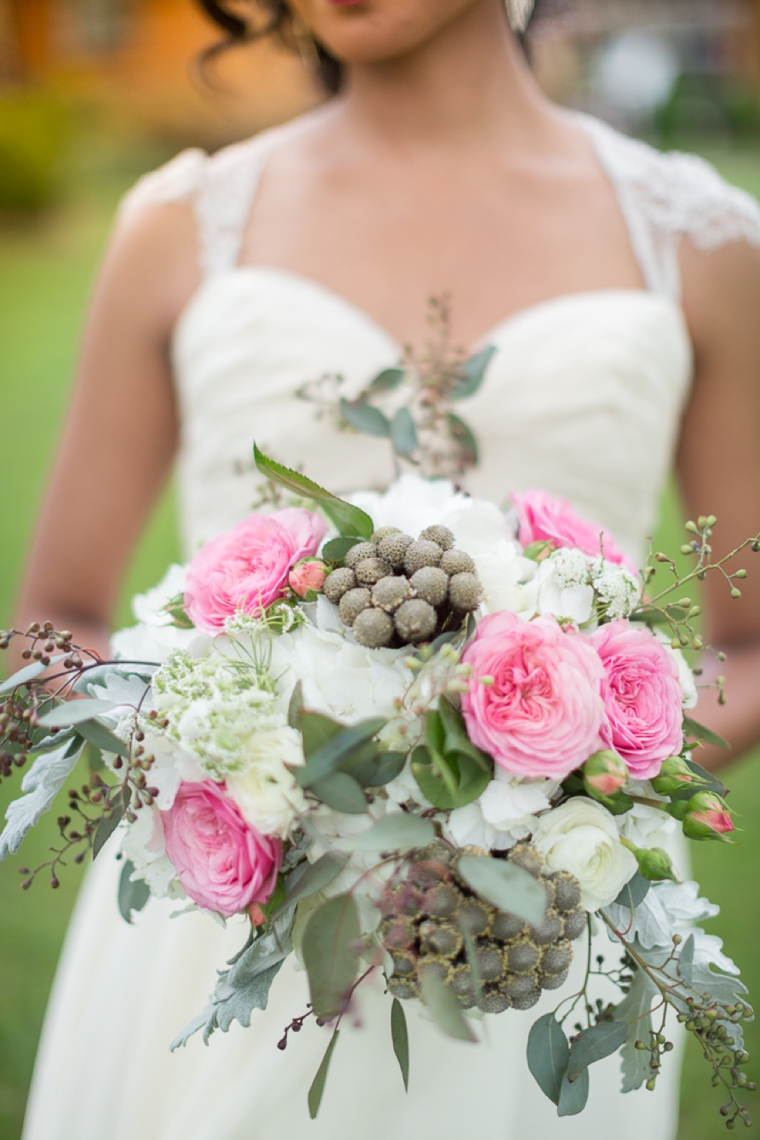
{"x":417,"y":737}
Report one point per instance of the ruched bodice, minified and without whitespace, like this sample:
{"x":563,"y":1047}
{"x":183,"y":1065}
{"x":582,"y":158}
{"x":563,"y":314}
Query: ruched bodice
{"x":582,"y":398}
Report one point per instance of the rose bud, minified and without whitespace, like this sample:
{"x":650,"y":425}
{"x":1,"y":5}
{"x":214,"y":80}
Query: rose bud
{"x":604,"y":774}
{"x":675,"y":776}
{"x":655,"y":864}
{"x":307,"y":578}
{"x":708,"y":817}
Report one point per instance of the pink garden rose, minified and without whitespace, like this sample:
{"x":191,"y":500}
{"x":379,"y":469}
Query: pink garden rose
{"x":308,"y":577}
{"x":542,"y":713}
{"x":642,"y":697}
{"x":544,"y":518}
{"x":247,"y":568}
{"x":222,"y":862}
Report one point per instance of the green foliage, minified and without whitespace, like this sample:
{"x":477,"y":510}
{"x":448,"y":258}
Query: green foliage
{"x":594,"y":1044}
{"x":331,"y":954}
{"x":348,"y":520}
{"x":133,"y":894}
{"x":505,"y":885}
{"x":318,"y":1084}
{"x":400,"y":1038}
{"x":444,"y":1009}
{"x":34,"y":128}
{"x":450,"y":771}
{"x":547,"y":1055}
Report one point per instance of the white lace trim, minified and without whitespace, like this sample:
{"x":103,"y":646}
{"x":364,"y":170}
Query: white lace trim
{"x":662,"y":197}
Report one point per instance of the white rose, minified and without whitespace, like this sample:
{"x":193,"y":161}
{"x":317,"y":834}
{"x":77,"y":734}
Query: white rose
{"x":265,"y":791}
{"x":581,"y":837}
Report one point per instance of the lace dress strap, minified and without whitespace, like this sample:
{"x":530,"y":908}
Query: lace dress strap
{"x":221,"y":189}
{"x":665,"y":197}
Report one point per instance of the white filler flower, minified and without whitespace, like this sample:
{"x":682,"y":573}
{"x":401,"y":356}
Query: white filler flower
{"x":264,"y":789}
{"x":581,"y":837}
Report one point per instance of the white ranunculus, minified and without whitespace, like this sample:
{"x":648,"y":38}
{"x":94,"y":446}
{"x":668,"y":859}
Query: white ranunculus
{"x":647,"y":826}
{"x":339,"y":678}
{"x":410,"y":503}
{"x":264,"y":789}
{"x":581,"y":837}
{"x":466,"y":827}
{"x":505,"y":813}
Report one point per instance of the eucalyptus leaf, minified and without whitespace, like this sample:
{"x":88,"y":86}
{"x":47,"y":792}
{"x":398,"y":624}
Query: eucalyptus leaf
{"x":316,"y":730}
{"x":337,"y":548}
{"x":317,"y":1089}
{"x":107,"y":825}
{"x":444,"y":1008}
{"x":348,"y":520}
{"x":295,"y":706}
{"x":573,"y":1095}
{"x":361,"y":763}
{"x":400,"y":1038}
{"x":686,"y":961}
{"x":472,"y":373}
{"x":397,"y":831}
{"x":342,"y":793}
{"x":435,"y":733}
{"x":366,"y":419}
{"x":329,"y":756}
{"x":133,"y":895}
{"x":699,"y":732}
{"x":547,"y":1053}
{"x":331,"y":955}
{"x":594,"y":1044}
{"x":309,"y":879}
{"x":389,"y":766}
{"x":404,"y":433}
{"x":42,"y":783}
{"x":75,"y":712}
{"x":465,"y":439}
{"x":504,"y":885}
{"x":101,"y":737}
{"x":27,"y":674}
{"x":387,"y":380}
{"x":634,"y":892}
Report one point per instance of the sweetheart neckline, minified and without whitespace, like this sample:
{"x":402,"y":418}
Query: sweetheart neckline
{"x":332,"y":296}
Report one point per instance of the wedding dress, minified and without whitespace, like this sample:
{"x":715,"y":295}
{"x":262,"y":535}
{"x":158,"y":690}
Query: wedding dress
{"x":583,"y":399}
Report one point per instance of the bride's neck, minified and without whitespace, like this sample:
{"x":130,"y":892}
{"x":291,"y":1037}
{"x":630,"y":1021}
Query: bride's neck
{"x":469,"y":83}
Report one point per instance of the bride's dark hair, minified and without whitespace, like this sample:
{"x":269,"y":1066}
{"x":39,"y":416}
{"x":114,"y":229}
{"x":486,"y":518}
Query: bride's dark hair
{"x":279,"y":22}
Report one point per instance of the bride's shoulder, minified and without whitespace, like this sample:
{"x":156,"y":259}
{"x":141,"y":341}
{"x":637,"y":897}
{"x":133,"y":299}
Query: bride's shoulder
{"x":677,"y":193}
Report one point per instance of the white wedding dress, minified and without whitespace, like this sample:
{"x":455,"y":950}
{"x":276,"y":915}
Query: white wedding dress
{"x":583,"y":398}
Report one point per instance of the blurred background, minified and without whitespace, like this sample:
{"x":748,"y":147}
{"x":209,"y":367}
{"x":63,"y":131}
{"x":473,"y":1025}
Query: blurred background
{"x":95,"y":92}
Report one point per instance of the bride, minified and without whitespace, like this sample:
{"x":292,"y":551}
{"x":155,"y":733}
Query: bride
{"x":619,"y":288}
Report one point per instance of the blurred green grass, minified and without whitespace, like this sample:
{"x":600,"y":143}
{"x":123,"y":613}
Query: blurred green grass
{"x":46,"y":271}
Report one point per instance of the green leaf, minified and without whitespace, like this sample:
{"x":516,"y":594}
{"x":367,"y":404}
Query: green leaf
{"x":505,"y":885}
{"x":331,"y":954}
{"x":634,"y":892}
{"x":295,"y":706}
{"x":75,"y":712}
{"x":548,"y":1052}
{"x":686,"y":960}
{"x":175,"y":608}
{"x":348,"y":520}
{"x":448,"y":782}
{"x":309,"y":879}
{"x":472,"y":373}
{"x":435,"y":733}
{"x":342,"y":793}
{"x":132,"y":895}
{"x":366,"y":419}
{"x":390,"y":765}
{"x":387,"y":380}
{"x":101,"y":737}
{"x":400,"y":1038}
{"x":444,"y":1008}
{"x":595,"y":1044}
{"x":404,"y":433}
{"x":699,"y":732}
{"x":28,"y":673}
{"x":362,"y":763}
{"x":337,"y":548}
{"x":456,"y":738}
{"x":107,"y":826}
{"x":465,"y":439}
{"x":573,"y":1096}
{"x":42,"y":783}
{"x":318,"y":1085}
{"x":330,"y":755}
{"x":535,"y":549}
{"x":397,"y":831}
{"x":316,"y":730}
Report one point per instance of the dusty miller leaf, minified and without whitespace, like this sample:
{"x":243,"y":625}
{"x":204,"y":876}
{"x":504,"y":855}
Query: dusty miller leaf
{"x":42,"y":782}
{"x":633,"y":1010}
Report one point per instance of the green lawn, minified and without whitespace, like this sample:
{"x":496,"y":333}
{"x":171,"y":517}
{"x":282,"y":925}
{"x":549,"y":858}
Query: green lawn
{"x":45,"y":275}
